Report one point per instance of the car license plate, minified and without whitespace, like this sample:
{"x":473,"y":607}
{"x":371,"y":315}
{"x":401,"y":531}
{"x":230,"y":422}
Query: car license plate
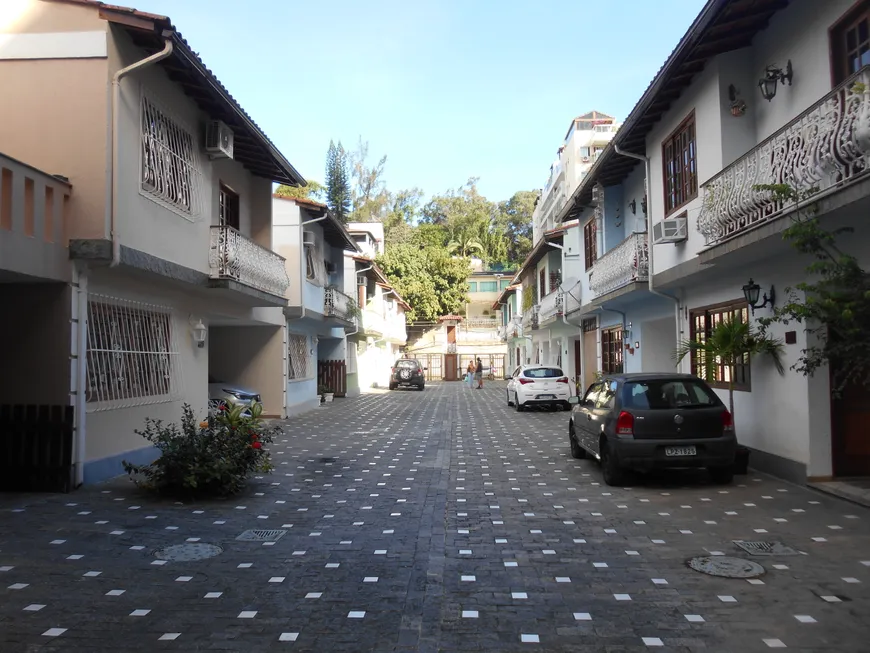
{"x":546,"y":396}
{"x":680,"y":451}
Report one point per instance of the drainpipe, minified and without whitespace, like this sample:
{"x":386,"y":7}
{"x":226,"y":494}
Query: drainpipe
{"x":112,"y":186}
{"x":354,"y":332}
{"x":651,"y":246}
{"x":81,"y":299}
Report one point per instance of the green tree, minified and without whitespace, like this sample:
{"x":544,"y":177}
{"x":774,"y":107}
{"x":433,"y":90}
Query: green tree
{"x":338,"y":193}
{"x":371,"y":200}
{"x":515,"y":219}
{"x":833,"y":304}
{"x":312,"y":191}
{"x":404,"y":210}
{"x":429,"y":279}
{"x":730,"y":342}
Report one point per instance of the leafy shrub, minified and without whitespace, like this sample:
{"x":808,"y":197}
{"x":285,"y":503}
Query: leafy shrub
{"x":213,"y":457}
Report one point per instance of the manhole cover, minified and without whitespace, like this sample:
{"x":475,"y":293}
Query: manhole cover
{"x":327,"y":460}
{"x":188,"y":552}
{"x":726,"y":567}
{"x":766,"y":548}
{"x":261,"y":536}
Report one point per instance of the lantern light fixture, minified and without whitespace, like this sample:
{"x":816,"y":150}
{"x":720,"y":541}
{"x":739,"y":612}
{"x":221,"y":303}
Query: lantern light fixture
{"x":773,"y":76}
{"x":199,"y":332}
{"x":751,"y":292}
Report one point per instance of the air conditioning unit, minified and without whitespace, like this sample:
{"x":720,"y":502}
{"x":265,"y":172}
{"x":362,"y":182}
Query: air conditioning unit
{"x":585,"y":159}
{"x":219,"y":140}
{"x":309,"y":239}
{"x":671,"y":230}
{"x":361,"y":280}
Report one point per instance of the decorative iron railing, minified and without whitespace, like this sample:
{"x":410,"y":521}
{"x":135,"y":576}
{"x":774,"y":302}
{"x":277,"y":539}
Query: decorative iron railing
{"x":622,"y":265}
{"x":234,"y":256}
{"x":337,"y":304}
{"x":825,"y":147}
{"x":552,"y":305}
{"x":531,"y":317}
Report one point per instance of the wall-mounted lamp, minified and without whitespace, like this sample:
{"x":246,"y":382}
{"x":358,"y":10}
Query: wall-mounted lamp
{"x":751,"y":292}
{"x":643,"y":205}
{"x":633,"y":206}
{"x":772,"y":77}
{"x":199,"y":331}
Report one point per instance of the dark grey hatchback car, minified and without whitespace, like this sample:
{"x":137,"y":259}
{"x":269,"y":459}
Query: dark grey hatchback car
{"x":646,"y":422}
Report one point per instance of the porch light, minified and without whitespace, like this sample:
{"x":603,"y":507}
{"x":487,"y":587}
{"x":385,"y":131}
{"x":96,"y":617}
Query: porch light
{"x":199,"y":332}
{"x":643,"y":205}
{"x":633,"y":206}
{"x":772,"y":77}
{"x":752,"y":290}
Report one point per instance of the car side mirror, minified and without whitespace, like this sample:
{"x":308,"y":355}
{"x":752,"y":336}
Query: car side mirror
{"x":573,"y":400}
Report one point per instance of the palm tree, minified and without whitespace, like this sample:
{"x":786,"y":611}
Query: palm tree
{"x":728,"y":344}
{"x":463,"y":246}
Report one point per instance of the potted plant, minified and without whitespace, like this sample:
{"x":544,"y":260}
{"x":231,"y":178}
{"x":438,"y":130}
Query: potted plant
{"x":730,"y":341}
{"x":321,"y":390}
{"x":327,"y":393}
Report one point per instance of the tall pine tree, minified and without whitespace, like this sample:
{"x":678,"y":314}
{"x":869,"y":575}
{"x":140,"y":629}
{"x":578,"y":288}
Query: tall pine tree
{"x":338,"y":195}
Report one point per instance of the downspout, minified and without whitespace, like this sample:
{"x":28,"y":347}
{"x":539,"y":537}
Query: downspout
{"x":651,"y":246}
{"x":112,"y":186}
{"x":353,"y":333}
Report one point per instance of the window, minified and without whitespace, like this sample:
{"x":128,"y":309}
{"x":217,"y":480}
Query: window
{"x":542,"y":283}
{"x":850,"y":43}
{"x":504,"y":284}
{"x":310,"y":267}
{"x":131,"y":357}
{"x":680,"y":167}
{"x":228,"y":208}
{"x":611,"y":350}
{"x":298,"y":355}
{"x":606,"y":396}
{"x":488,"y":286}
{"x":169,"y":166}
{"x":593,"y":392}
{"x":590,"y":243}
{"x":702,"y":323}
{"x":472,"y":286}
{"x":663,"y":394}
{"x":543,"y":373}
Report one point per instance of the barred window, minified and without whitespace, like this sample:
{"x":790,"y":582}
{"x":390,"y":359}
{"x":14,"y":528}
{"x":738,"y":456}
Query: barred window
{"x":170,"y":171}
{"x":299,"y":358}
{"x":132,"y":357}
{"x":702,"y":322}
{"x":611,"y":350}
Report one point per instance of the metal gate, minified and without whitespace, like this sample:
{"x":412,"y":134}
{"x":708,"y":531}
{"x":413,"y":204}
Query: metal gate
{"x":433,"y":364}
{"x":493,"y":364}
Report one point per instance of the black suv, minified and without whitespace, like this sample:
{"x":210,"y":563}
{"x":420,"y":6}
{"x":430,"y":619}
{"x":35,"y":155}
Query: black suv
{"x":407,"y":371}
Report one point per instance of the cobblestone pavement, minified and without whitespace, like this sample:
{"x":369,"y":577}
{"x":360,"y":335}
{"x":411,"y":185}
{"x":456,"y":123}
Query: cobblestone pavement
{"x":434,"y":521}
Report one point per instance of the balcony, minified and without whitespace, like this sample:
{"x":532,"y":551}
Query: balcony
{"x":552,"y":306}
{"x":33,"y":222}
{"x":531,"y":318}
{"x":822,"y":150}
{"x":480,"y":323}
{"x":626,"y":263}
{"x":234,"y":257}
{"x":373,"y":322}
{"x":338,"y":307}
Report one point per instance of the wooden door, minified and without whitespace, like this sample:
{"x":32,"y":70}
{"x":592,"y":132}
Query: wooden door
{"x":850,"y":418}
{"x":590,"y":355}
{"x":451,"y":367}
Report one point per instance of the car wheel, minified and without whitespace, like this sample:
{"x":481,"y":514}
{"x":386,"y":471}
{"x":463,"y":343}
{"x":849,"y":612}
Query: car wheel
{"x":613,"y":474}
{"x":420,"y":388}
{"x":576,"y":450}
{"x":509,"y":402}
{"x":392,"y":386}
{"x":520,"y":408}
{"x":722,"y":475}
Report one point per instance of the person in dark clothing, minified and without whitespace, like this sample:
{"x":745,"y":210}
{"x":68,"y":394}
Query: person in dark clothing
{"x":478,"y":374}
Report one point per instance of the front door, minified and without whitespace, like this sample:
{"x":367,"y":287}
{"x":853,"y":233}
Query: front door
{"x":850,"y":417}
{"x":451,"y":367}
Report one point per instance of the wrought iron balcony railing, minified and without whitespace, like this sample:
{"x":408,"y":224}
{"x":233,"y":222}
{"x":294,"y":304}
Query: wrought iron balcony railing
{"x":337,"y":304}
{"x":552,"y":305}
{"x":624,"y":264}
{"x":234,"y":256}
{"x":824,"y":148}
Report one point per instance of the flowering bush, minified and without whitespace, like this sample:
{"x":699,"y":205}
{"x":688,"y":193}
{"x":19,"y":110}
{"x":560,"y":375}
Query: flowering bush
{"x":211,"y":457}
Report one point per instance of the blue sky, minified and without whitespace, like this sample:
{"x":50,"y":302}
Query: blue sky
{"x":447,"y":89}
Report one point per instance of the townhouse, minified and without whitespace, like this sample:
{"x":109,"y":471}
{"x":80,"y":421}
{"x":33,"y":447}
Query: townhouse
{"x":674,"y":237}
{"x":381,"y":328}
{"x":137,"y":248}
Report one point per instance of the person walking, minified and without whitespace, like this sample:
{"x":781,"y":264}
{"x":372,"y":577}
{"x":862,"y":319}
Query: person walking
{"x":478,"y":374}
{"x":469,"y":373}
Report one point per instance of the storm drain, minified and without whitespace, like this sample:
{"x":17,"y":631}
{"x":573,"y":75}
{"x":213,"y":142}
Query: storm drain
{"x":327,"y":460}
{"x":726,"y":567}
{"x":261,"y":536}
{"x":188,"y":552}
{"x":766,"y":548}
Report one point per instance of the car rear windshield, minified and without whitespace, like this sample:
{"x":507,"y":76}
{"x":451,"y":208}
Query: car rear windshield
{"x":663,"y":394}
{"x":408,"y":364}
{"x":543,"y":373}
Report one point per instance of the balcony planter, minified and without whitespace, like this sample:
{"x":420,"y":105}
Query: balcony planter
{"x":741,"y":460}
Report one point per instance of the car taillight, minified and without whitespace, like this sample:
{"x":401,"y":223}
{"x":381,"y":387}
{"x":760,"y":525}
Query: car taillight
{"x":392,"y":370}
{"x":727,"y":421}
{"x":564,"y":379}
{"x":625,"y":424}
{"x":525,"y":381}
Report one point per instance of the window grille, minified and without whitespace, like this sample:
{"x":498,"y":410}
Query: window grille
{"x":132,"y":357}
{"x":297,"y":351}
{"x":702,"y":321}
{"x":315,"y":263}
{"x":170,"y":172}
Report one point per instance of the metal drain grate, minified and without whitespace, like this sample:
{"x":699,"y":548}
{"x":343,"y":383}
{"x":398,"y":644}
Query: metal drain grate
{"x":261,"y":536}
{"x":766,"y":548}
{"x":327,"y":460}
